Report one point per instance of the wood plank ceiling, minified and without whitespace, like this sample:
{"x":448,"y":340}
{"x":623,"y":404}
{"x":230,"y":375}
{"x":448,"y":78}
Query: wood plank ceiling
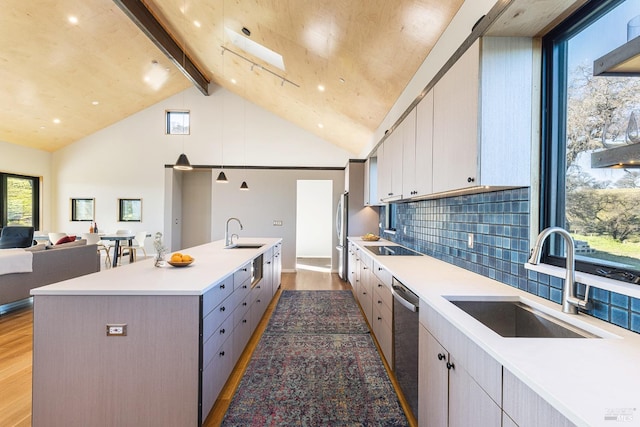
{"x":363,"y":52}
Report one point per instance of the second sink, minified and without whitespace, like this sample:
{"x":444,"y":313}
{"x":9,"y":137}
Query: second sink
{"x":515,"y":319}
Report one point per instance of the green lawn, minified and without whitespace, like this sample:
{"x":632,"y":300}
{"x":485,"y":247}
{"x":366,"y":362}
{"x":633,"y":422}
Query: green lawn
{"x":611,"y":250}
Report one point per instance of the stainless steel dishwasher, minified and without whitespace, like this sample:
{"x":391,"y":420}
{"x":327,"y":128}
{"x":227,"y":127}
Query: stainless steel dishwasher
{"x":405,"y":342}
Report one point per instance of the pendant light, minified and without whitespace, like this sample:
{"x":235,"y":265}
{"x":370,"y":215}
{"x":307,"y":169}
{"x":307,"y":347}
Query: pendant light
{"x":183,"y":162}
{"x":244,"y":186}
{"x":222,"y":178}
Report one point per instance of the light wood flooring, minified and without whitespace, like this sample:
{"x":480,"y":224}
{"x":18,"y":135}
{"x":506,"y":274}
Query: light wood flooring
{"x":16,"y":336}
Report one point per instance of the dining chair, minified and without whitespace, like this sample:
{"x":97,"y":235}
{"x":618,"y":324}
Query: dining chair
{"x":93,"y":238}
{"x":54,"y":237}
{"x":137,"y":244}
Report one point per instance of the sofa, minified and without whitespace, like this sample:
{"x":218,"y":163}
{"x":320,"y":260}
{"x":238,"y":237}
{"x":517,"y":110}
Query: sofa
{"x":51,"y":263}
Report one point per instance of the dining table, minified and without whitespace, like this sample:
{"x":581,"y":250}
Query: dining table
{"x":117,"y":238}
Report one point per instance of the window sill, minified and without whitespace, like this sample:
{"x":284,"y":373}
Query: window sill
{"x":592,"y":280}
{"x":389,"y":231}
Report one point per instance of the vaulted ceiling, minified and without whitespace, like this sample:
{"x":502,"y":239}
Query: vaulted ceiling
{"x":69,"y":68}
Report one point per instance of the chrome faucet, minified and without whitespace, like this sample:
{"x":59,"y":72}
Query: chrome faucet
{"x":229,"y":240}
{"x":570,"y":302}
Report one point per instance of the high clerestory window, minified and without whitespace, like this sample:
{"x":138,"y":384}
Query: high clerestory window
{"x":586,"y":114}
{"x":19,"y":200}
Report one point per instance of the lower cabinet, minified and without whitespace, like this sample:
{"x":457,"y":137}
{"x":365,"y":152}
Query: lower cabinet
{"x":382,"y":314}
{"x":458,"y":383}
{"x":525,"y":408}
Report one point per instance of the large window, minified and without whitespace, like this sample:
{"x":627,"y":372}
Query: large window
{"x":19,"y":200}
{"x":586,"y":114}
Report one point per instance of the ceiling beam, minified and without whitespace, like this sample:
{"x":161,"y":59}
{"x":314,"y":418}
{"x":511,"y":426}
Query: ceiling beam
{"x":149,"y":25}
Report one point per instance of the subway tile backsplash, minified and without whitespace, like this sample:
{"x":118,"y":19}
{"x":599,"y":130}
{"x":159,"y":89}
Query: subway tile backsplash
{"x":499,"y":222}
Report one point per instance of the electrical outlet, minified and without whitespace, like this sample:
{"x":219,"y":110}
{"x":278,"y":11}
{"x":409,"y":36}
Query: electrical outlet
{"x":470,"y":241}
{"x":117,"y":330}
{"x":277,"y":223}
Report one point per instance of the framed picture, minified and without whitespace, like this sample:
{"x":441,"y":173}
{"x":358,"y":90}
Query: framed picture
{"x":82,"y":209}
{"x":129,"y":210}
{"x":177,"y":122}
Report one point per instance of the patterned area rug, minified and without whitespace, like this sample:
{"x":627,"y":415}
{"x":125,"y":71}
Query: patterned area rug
{"x":298,"y":377}
{"x":317,"y":312}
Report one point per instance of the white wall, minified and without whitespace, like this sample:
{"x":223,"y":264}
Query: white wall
{"x":28,"y":161}
{"x":315,"y":219}
{"x":126,"y":160}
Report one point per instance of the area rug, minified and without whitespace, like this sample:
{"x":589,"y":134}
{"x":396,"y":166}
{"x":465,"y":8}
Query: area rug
{"x":317,"y":312}
{"x":315,"y":365}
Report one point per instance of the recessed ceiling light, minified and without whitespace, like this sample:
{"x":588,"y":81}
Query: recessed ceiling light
{"x":320,"y":125}
{"x":234,"y":81}
{"x":321,"y":88}
{"x":56,"y":121}
{"x":246,"y":31}
{"x":197,"y":24}
{"x":73,"y":19}
{"x":341,"y":80}
{"x":95,"y":102}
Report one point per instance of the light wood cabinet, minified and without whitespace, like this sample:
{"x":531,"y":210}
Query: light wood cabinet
{"x":424,"y":146}
{"x":472,"y":390}
{"x":382,"y":318}
{"x":390,"y":167}
{"x":481,"y":119}
{"x":364,"y":291}
{"x":407,"y":130}
{"x":526,"y":408}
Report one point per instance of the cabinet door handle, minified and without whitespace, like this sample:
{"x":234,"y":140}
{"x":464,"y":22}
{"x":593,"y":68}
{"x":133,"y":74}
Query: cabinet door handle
{"x":222,"y":286}
{"x":222,"y":309}
{"x":364,"y":268}
{"x":222,"y":331}
{"x":244,"y":286}
{"x":221,"y":353}
{"x":379,"y":285}
{"x":379,"y":302}
{"x":471,"y":179}
{"x":450,"y":366}
{"x":244,"y":303}
{"x":441,"y":356}
{"x":379,"y":318}
{"x":244,"y":320}
{"x":258,"y":300}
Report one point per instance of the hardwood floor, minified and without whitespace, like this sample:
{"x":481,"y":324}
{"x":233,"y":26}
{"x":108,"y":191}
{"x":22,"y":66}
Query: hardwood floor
{"x":16,"y":335}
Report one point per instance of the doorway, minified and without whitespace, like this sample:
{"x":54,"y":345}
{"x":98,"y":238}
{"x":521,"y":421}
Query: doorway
{"x":314,"y":225}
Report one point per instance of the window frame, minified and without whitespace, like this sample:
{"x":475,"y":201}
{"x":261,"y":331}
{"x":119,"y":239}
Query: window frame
{"x":4,"y":213}
{"x":553,"y":131}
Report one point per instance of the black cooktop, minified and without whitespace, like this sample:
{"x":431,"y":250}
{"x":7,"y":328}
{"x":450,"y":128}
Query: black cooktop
{"x":391,"y":250}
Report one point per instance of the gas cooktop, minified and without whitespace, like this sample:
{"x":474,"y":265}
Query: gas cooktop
{"x":391,"y":250}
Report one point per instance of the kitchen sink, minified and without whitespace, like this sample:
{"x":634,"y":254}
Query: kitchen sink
{"x":516,"y":319}
{"x":245,"y":246}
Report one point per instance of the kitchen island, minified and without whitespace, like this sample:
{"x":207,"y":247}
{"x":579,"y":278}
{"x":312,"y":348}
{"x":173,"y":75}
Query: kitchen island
{"x":518,"y":381}
{"x":148,"y":346}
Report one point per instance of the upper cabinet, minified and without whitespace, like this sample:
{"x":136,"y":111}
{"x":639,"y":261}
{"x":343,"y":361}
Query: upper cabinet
{"x":471,"y":132}
{"x":482,"y":117}
{"x":390,"y":167}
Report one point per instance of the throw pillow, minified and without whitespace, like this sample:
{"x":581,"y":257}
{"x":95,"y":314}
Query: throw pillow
{"x":66,"y":239}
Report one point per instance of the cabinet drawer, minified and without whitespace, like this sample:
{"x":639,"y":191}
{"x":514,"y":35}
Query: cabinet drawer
{"x":215,"y":376}
{"x":215,"y":340}
{"x":216,"y":295}
{"x":382,"y":294}
{"x":366,"y":259}
{"x":384,"y":335}
{"x":478,"y":363}
{"x":242,"y":274}
{"x":241,"y":310}
{"x":527,"y":408}
{"x":382,"y":311}
{"x":239,"y":294}
{"x":382,"y":273}
{"x":215,"y":318}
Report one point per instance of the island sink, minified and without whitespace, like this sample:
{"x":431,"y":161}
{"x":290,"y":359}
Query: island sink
{"x":245,"y":246}
{"x":516,"y":319}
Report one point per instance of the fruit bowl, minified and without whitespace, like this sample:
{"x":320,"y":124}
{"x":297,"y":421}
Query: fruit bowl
{"x":180,"y":263}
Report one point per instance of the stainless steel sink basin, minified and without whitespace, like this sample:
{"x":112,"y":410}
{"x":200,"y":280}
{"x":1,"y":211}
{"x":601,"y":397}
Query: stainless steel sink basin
{"x":515,"y":319}
{"x":245,"y":246}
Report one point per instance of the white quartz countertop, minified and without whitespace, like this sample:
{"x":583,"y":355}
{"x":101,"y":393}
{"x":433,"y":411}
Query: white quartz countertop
{"x":584,"y":379}
{"x":212,"y":263}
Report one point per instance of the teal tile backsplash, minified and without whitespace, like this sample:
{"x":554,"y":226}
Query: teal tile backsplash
{"x":499,"y":222}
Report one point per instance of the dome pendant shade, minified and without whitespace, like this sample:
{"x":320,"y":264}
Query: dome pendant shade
{"x":183,"y":163}
{"x":244,"y":186}
{"x":222,"y":178}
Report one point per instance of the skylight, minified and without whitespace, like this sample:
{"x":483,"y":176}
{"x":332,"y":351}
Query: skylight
{"x":255,"y":49}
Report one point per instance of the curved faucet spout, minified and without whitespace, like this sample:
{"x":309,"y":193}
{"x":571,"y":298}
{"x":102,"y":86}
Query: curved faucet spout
{"x":570,"y":302}
{"x":228,"y":240}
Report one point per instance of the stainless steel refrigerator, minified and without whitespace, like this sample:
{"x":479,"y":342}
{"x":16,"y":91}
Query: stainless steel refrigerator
{"x":342,"y":219}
